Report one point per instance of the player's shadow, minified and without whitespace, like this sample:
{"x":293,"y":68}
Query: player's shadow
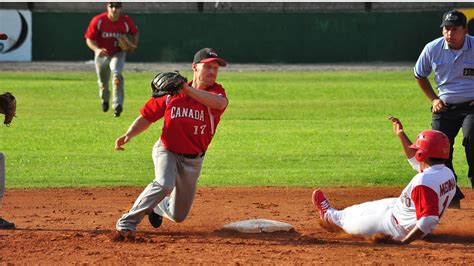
{"x":237,"y":238}
{"x":286,"y":238}
{"x":450,"y":238}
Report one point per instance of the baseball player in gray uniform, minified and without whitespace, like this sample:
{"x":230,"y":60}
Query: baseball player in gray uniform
{"x":4,"y":224}
{"x":190,"y":122}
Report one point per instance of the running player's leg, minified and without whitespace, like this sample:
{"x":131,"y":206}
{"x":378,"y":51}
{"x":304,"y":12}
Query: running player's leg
{"x":103,"y":74}
{"x":118,"y":82}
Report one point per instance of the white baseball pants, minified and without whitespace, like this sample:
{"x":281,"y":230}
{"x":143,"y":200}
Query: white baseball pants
{"x":368,"y":218}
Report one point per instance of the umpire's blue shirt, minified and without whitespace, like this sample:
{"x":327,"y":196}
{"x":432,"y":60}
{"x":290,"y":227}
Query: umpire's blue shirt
{"x":454,"y":70}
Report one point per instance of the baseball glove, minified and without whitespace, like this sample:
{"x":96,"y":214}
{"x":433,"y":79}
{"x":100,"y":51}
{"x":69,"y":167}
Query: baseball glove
{"x":126,"y":44}
{"x":8,"y":107}
{"x":167,"y":83}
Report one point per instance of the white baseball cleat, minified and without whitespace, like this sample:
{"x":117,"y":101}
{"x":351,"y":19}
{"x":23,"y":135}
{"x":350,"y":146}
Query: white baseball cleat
{"x":321,"y":204}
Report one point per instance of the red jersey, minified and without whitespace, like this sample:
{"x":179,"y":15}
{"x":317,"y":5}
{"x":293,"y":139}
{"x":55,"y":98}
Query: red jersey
{"x":189,"y":126}
{"x":105,"y":32}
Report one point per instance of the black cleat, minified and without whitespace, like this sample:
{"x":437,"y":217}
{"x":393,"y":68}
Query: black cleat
{"x":4,"y":224}
{"x":154,"y":219}
{"x":105,"y":106}
{"x":118,"y":111}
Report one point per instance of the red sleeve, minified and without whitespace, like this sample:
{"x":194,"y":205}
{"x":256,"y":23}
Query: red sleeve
{"x":154,"y":109}
{"x":131,"y":24}
{"x":92,"y":32}
{"x":426,"y":201}
{"x":219,"y":90}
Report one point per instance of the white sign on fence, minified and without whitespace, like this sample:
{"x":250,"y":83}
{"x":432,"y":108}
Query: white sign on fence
{"x":17,"y":25}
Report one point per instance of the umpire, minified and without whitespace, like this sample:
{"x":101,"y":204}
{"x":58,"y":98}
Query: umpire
{"x":451,"y":57}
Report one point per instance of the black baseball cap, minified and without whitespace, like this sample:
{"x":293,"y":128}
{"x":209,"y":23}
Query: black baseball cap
{"x":115,"y":4}
{"x":208,"y":55}
{"x":453,"y":18}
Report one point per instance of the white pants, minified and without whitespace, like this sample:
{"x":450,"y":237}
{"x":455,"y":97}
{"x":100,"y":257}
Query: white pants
{"x":174,"y":174}
{"x":368,"y":218}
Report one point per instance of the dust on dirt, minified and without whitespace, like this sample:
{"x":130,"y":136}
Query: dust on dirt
{"x":77,"y":226}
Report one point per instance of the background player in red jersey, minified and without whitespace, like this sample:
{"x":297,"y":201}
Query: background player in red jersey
{"x":190,"y":121}
{"x":102,"y":37}
{"x":418,"y":210}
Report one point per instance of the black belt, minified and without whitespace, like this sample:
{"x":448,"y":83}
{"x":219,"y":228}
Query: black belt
{"x":192,"y":155}
{"x":460,"y":106}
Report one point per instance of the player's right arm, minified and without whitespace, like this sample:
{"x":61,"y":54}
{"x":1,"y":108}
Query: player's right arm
{"x":437,"y":103}
{"x":153,"y":110}
{"x":138,"y":126}
{"x":91,"y":35}
{"x":95,"y":48}
{"x":422,"y":70}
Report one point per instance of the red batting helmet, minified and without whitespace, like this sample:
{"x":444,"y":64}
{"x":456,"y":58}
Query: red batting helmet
{"x":431,"y":144}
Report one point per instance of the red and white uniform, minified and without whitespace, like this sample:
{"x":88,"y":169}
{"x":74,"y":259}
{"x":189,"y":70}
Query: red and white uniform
{"x":105,"y":32}
{"x":189,"y":126}
{"x":420,"y":204}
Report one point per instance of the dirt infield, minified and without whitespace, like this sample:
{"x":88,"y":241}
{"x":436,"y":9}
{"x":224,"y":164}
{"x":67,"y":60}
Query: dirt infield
{"x":76,"y":225}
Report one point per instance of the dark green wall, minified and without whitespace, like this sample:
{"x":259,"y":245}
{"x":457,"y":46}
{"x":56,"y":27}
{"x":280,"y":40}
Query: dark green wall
{"x":252,"y":38}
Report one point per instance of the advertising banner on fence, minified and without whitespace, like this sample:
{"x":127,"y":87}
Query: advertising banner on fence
{"x":15,"y":35}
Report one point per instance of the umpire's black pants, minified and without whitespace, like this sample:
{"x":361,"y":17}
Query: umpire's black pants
{"x":458,"y":116}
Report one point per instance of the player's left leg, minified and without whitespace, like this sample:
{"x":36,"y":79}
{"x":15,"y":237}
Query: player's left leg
{"x":468,"y":143}
{"x":176,"y":207}
{"x":118,"y":82}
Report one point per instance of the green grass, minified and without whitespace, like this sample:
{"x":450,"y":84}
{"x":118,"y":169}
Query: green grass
{"x":280,"y":129}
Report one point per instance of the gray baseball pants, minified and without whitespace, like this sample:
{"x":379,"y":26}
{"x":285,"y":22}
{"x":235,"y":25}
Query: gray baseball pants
{"x":171,"y":193}
{"x":2,"y":177}
{"x":105,"y":66}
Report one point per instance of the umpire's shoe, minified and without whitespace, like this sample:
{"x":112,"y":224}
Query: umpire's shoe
{"x":455,"y":204}
{"x":155,"y":219}
{"x":105,"y":106}
{"x":4,"y":224}
{"x":118,"y":111}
